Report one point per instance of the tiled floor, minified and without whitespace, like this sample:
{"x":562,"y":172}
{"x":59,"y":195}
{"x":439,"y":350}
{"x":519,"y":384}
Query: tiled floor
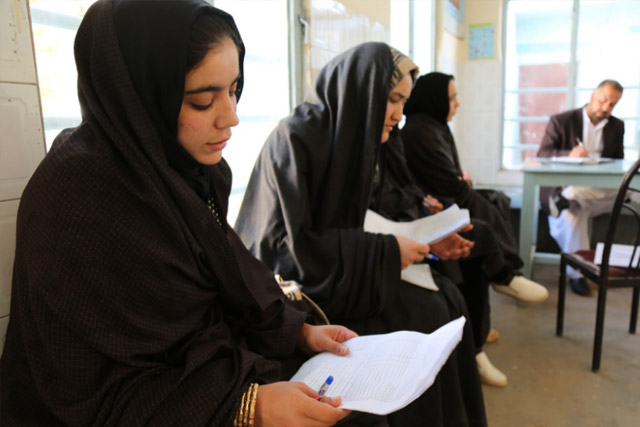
{"x":550,"y":378}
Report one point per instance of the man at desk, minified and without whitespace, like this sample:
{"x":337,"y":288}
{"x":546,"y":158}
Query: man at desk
{"x":590,"y":131}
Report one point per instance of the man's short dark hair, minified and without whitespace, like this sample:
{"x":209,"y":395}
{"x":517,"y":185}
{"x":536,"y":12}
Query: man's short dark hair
{"x":613,"y":83}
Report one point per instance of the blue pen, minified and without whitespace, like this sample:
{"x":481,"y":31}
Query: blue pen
{"x":324,"y":388}
{"x":431,"y":257}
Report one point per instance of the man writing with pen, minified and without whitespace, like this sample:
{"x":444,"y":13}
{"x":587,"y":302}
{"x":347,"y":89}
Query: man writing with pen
{"x":590,"y":131}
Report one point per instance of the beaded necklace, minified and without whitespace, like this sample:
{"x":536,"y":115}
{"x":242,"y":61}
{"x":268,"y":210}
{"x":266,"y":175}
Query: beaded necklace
{"x":212,"y":207}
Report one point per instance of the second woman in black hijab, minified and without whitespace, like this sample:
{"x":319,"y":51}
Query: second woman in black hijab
{"x":303,"y":215}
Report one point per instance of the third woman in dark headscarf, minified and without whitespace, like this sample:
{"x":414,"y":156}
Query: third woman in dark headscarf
{"x":433,"y":160}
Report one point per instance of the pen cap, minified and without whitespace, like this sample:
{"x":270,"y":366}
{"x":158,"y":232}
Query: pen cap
{"x":329,"y":380}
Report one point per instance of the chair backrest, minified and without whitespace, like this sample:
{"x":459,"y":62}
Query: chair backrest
{"x":626,"y":201}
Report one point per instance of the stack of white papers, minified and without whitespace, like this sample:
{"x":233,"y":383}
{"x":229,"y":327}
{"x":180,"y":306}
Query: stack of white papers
{"x":619,"y":257}
{"x":427,"y":230}
{"x":383,"y":373}
{"x":419,"y":275}
{"x":580,"y":160}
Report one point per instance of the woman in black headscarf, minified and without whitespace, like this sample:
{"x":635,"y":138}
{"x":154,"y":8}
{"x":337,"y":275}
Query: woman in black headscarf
{"x":433,"y":160}
{"x":303,"y":215}
{"x":134,"y":302}
{"x":400,"y":199}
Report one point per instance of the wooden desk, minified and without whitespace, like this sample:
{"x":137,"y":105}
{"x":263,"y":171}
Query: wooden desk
{"x":540,"y":172}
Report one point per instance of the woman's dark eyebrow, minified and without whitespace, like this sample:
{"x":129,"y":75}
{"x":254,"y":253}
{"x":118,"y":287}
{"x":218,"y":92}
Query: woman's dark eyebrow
{"x":397,"y":94}
{"x":210,"y":88}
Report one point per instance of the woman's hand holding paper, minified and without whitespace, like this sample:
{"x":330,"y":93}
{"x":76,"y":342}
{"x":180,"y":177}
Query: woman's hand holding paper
{"x":411,"y":251}
{"x":453,"y":246}
{"x":293,"y":404}
{"x":316,"y":339}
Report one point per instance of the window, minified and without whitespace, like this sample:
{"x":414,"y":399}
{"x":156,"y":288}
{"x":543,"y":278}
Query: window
{"x":265,"y":97}
{"x":556,"y":53}
{"x":54,"y":24}
{"x":412,"y":30}
{"x":337,"y":25}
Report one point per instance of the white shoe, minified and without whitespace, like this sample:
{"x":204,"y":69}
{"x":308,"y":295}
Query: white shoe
{"x":489,"y":374}
{"x":523,"y":289}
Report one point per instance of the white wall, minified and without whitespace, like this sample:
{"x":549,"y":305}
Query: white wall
{"x":477,"y":126}
{"x":21,"y":133}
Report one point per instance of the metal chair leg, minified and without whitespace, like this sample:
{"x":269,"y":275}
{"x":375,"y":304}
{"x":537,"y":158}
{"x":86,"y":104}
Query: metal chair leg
{"x":562,"y":287}
{"x":634,"y":310}
{"x":597,"y":342}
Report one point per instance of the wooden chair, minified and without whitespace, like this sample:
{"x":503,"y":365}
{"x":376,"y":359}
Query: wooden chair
{"x":604,"y":275}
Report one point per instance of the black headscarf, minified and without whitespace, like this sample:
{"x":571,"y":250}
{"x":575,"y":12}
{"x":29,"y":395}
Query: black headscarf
{"x":428,"y":108}
{"x":430,"y":96}
{"x":155,"y":56}
{"x":131,"y":303}
{"x":304,"y":207}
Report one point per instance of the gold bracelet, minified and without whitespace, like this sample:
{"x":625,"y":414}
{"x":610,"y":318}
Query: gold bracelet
{"x":252,"y":407}
{"x":245,"y":410}
{"x":238,"y":422}
{"x":245,"y":416}
{"x":247,"y":407}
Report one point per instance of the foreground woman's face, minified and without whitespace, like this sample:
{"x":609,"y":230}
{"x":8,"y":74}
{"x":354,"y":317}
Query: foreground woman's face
{"x":208,"y":109}
{"x":395,"y":104}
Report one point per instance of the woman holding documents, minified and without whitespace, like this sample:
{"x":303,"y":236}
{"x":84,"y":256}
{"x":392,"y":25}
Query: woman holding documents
{"x":303,"y":215}
{"x":134,"y":302}
{"x":433,"y":161}
{"x":399,"y":199}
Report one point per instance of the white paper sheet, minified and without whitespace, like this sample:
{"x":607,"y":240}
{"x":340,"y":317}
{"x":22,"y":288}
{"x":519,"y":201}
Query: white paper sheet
{"x":580,"y":160}
{"x":383,"y":373}
{"x":419,"y":275}
{"x":427,"y":230}
{"x":619,"y":257}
